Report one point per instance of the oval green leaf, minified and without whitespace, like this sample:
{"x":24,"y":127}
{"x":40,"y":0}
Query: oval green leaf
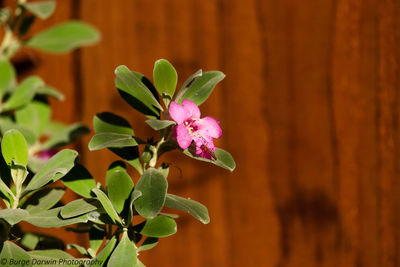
{"x":110,"y":140}
{"x":51,"y":218}
{"x":7,"y":76}
{"x":13,"y":216}
{"x":11,"y":251}
{"x":202,"y":87}
{"x":153,"y":186}
{"x":165,"y":77}
{"x":194,"y":208}
{"x":119,"y":186}
{"x":56,"y":167}
{"x":79,"y":207}
{"x":35,"y":116}
{"x":107,"y":205}
{"x":124,"y":254}
{"x":160,"y":226}
{"x":14,"y":148}
{"x":135,"y":93}
{"x":23,"y":94}
{"x":43,"y":200}
{"x":64,"y":37}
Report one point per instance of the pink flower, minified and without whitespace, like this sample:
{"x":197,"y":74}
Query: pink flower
{"x":191,"y":128}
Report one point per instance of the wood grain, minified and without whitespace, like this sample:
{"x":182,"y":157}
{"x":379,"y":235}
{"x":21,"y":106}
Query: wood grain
{"x":309,"y":109}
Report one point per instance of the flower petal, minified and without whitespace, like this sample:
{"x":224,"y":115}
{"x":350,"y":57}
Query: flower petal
{"x":178,"y":113}
{"x":208,"y":127}
{"x":191,"y":108}
{"x":183,"y":137}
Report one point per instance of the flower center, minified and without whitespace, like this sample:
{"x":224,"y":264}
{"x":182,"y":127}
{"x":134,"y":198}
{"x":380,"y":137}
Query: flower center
{"x":191,"y":127}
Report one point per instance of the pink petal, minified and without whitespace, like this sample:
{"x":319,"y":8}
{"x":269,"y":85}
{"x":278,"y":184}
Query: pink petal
{"x":204,"y":147}
{"x":178,"y":113}
{"x":208,"y":126}
{"x":191,"y":108}
{"x":183,"y":137}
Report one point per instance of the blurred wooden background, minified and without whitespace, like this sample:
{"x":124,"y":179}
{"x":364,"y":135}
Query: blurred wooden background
{"x":309,"y":108}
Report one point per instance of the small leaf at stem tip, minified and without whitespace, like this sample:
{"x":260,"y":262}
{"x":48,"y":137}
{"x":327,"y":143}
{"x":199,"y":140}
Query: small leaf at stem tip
{"x":165,"y":77}
{"x":14,"y":148}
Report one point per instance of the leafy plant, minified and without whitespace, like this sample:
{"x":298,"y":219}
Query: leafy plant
{"x":121,"y":218}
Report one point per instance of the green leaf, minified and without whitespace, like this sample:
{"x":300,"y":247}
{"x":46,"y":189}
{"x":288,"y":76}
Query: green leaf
{"x":41,"y":9}
{"x":14,"y":148}
{"x":35,"y":116}
{"x":153,"y":186}
{"x":119,"y":186}
{"x":79,"y":180}
{"x":51,"y":253}
{"x":80,"y":249}
{"x":109,"y":140}
{"x":50,"y":91}
{"x":13,"y":216}
{"x":202,"y":87}
{"x":64,"y":37}
{"x":160,"y":226}
{"x":124,"y":254}
{"x":7,"y":76}
{"x":11,"y":251}
{"x":30,"y":240}
{"x":6,"y":125}
{"x":23,"y":94}
{"x":51,"y":218}
{"x":223,"y":158}
{"x":136,"y":93}
{"x":194,"y":208}
{"x":159,"y":124}
{"x":106,"y":251}
{"x":61,"y":135}
{"x":51,"y":257}
{"x":5,"y":190}
{"x":107,"y":122}
{"x":165,"y":77}
{"x":186,"y":85}
{"x":134,"y":195}
{"x":79,"y":207}
{"x":43,"y":200}
{"x":148,"y":243}
{"x":56,"y":167}
{"x":107,"y":205}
